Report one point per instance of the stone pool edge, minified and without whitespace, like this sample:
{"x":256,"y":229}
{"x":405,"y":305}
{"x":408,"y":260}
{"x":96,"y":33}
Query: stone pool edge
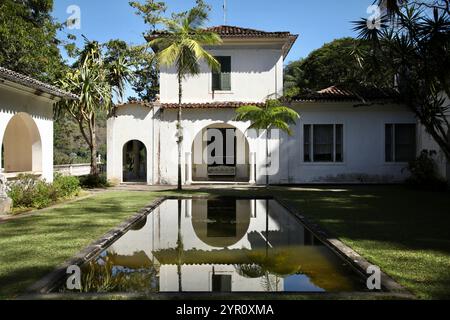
{"x":53,"y":279}
{"x":42,"y":289}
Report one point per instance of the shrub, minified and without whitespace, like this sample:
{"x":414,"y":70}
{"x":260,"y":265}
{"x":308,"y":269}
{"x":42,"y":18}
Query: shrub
{"x":424,"y":174}
{"x":94,"y":181}
{"x":66,"y":186}
{"x":28,"y":191}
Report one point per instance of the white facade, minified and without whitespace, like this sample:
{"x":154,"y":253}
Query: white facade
{"x":26,"y":132}
{"x":256,"y":75}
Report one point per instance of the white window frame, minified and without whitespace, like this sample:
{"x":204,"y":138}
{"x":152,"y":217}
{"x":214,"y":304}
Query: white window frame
{"x":210,"y":76}
{"x":394,"y":125}
{"x":311,"y":144}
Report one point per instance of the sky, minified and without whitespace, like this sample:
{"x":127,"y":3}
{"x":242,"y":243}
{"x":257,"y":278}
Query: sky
{"x":316,"y":21}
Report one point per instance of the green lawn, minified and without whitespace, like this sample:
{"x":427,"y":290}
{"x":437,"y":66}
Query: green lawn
{"x":34,"y":246}
{"x":405,"y":232}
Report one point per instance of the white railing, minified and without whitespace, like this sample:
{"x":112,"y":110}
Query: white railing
{"x":75,"y":170}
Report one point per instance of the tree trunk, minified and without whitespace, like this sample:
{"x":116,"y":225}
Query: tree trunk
{"x":441,"y":138}
{"x":180,"y":132}
{"x":93,"y":146}
{"x":180,"y":248}
{"x":267,"y":158}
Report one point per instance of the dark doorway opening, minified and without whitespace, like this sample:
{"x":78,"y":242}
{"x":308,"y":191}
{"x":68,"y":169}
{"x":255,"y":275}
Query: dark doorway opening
{"x":134,"y":162}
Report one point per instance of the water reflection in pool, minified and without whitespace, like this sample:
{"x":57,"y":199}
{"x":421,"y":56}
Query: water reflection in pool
{"x":225,"y":245}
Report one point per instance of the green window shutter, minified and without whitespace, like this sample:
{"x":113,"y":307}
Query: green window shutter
{"x":222,"y":81}
{"x":226,"y":73}
{"x":216,"y":81}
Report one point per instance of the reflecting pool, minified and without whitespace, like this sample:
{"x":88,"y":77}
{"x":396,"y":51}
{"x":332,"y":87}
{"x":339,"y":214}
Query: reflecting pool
{"x":219,"y":245}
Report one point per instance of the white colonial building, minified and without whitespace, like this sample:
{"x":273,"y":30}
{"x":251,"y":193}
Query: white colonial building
{"x":339,"y":139}
{"x":26,"y":124}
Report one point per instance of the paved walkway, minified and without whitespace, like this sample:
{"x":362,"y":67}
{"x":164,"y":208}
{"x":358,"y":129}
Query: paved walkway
{"x":143,"y":187}
{"x":129,"y":187}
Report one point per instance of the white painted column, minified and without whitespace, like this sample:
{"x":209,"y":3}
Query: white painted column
{"x":188,"y":168}
{"x":252,"y":168}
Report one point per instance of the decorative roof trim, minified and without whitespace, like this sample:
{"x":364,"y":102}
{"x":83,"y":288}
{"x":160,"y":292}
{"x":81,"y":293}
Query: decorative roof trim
{"x":31,"y":83}
{"x":234,"y":32}
{"x":212,"y":105}
{"x":337,"y":94}
{"x":135,"y":103}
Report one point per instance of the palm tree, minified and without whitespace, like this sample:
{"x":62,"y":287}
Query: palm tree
{"x":182,"y":45}
{"x":272,"y":116}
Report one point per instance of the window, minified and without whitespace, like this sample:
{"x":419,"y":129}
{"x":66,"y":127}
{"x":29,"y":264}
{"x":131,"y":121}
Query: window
{"x":221,"y":81}
{"x":324,"y":143}
{"x":400,"y":142}
{"x":221,"y":283}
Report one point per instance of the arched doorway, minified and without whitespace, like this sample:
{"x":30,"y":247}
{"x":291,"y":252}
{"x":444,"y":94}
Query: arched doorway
{"x":220,"y":152}
{"x":134,"y":162}
{"x":22,"y":146}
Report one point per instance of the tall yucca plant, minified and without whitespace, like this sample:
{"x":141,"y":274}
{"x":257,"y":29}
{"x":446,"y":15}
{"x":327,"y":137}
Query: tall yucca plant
{"x":272,"y":116}
{"x":93,"y":81}
{"x":181,"y":46}
{"x":415,"y":46}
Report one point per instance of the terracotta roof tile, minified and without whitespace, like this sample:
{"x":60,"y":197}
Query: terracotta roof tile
{"x":338,"y":93}
{"x":136,"y":103}
{"x":214,"y":105}
{"x":37,"y":85}
{"x":233,"y":31}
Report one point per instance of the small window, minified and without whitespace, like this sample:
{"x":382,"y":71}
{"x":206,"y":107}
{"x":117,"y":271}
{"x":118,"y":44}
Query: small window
{"x":221,"y":283}
{"x":400,"y":144}
{"x":324,"y":143}
{"x":221,"y":81}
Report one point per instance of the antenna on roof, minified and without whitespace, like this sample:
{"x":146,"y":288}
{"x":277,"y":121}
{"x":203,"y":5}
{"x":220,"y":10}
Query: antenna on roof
{"x":225,"y":12}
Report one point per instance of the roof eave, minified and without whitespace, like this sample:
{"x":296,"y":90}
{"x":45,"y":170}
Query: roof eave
{"x":37,"y":92}
{"x":289,"y":44}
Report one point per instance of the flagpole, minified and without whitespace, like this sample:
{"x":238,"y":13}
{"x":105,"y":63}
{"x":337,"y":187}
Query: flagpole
{"x":224,"y":12}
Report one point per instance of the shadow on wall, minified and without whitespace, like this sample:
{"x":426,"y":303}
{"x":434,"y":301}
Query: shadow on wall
{"x":263,"y":63}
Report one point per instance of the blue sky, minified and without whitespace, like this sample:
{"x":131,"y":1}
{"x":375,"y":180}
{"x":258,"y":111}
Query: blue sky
{"x":317,"y":22}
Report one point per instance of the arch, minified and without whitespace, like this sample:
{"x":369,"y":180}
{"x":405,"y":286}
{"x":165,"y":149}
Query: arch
{"x":221,"y":223}
{"x":234,"y":162}
{"x":134,"y":161}
{"x":22,"y":145}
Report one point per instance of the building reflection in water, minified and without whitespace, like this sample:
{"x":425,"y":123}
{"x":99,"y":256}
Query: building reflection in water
{"x":224,"y":245}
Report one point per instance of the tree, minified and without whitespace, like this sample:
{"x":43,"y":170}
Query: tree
{"x":272,"y":116}
{"x":333,"y":64}
{"x":414,"y":43}
{"x":28,"y":42}
{"x":146,"y":81}
{"x":94,"y":81}
{"x":182,"y":45}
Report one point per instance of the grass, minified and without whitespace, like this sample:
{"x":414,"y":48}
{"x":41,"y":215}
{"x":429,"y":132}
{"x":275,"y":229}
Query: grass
{"x":405,"y":232}
{"x":35,"y":245}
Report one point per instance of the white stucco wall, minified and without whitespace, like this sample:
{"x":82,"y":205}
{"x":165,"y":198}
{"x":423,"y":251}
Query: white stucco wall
{"x":256,"y":74}
{"x":40,"y":109}
{"x":131,"y":122}
{"x":364,"y":143}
